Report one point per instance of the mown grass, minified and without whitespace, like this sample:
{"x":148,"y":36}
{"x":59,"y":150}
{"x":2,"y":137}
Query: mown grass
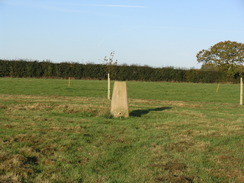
{"x":176,"y":132}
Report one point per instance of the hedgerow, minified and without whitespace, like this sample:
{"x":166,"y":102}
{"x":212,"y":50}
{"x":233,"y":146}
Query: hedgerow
{"x":47,"y":69}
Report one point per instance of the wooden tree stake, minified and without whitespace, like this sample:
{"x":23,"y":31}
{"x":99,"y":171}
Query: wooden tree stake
{"x":108,"y":87}
{"x":241,"y":92}
{"x":217,"y":90}
{"x":69,"y":82}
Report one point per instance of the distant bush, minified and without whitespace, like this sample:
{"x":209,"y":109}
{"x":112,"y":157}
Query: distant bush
{"x":47,"y":69}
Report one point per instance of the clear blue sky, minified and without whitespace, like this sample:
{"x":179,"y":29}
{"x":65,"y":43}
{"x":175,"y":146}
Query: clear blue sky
{"x":157,"y":33}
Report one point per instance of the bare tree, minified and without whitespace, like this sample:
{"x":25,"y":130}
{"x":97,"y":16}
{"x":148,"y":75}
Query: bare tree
{"x":110,"y":68}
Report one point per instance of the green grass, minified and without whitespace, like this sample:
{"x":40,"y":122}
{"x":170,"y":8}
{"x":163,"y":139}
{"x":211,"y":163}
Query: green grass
{"x":228,"y":93}
{"x":176,"y":132}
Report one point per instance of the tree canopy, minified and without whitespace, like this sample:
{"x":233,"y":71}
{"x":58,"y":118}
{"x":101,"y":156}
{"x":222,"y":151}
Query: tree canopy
{"x":227,"y":56}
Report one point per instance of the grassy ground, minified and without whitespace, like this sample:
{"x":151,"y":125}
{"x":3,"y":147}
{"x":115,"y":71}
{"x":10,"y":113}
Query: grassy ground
{"x":176,"y":132}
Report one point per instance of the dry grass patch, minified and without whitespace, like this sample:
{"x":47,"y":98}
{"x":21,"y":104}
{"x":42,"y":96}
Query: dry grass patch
{"x":75,"y":129}
{"x":69,"y":105}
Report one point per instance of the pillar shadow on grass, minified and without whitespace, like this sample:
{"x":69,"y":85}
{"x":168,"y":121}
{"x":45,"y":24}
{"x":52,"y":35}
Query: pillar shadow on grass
{"x":139,"y":113}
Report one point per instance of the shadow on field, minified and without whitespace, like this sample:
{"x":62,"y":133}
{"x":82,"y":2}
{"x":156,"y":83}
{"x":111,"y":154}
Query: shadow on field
{"x":139,"y":113}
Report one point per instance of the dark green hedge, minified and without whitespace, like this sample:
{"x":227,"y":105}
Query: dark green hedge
{"x":46,"y":69}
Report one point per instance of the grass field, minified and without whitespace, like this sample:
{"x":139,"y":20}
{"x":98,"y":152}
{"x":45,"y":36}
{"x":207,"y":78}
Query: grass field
{"x":176,"y":132}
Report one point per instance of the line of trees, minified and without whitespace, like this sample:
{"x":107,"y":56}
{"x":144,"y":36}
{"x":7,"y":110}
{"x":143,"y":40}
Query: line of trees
{"x":47,"y":69}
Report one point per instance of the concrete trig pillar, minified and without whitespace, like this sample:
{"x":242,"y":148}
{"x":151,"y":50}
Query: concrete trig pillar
{"x":119,"y":104}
